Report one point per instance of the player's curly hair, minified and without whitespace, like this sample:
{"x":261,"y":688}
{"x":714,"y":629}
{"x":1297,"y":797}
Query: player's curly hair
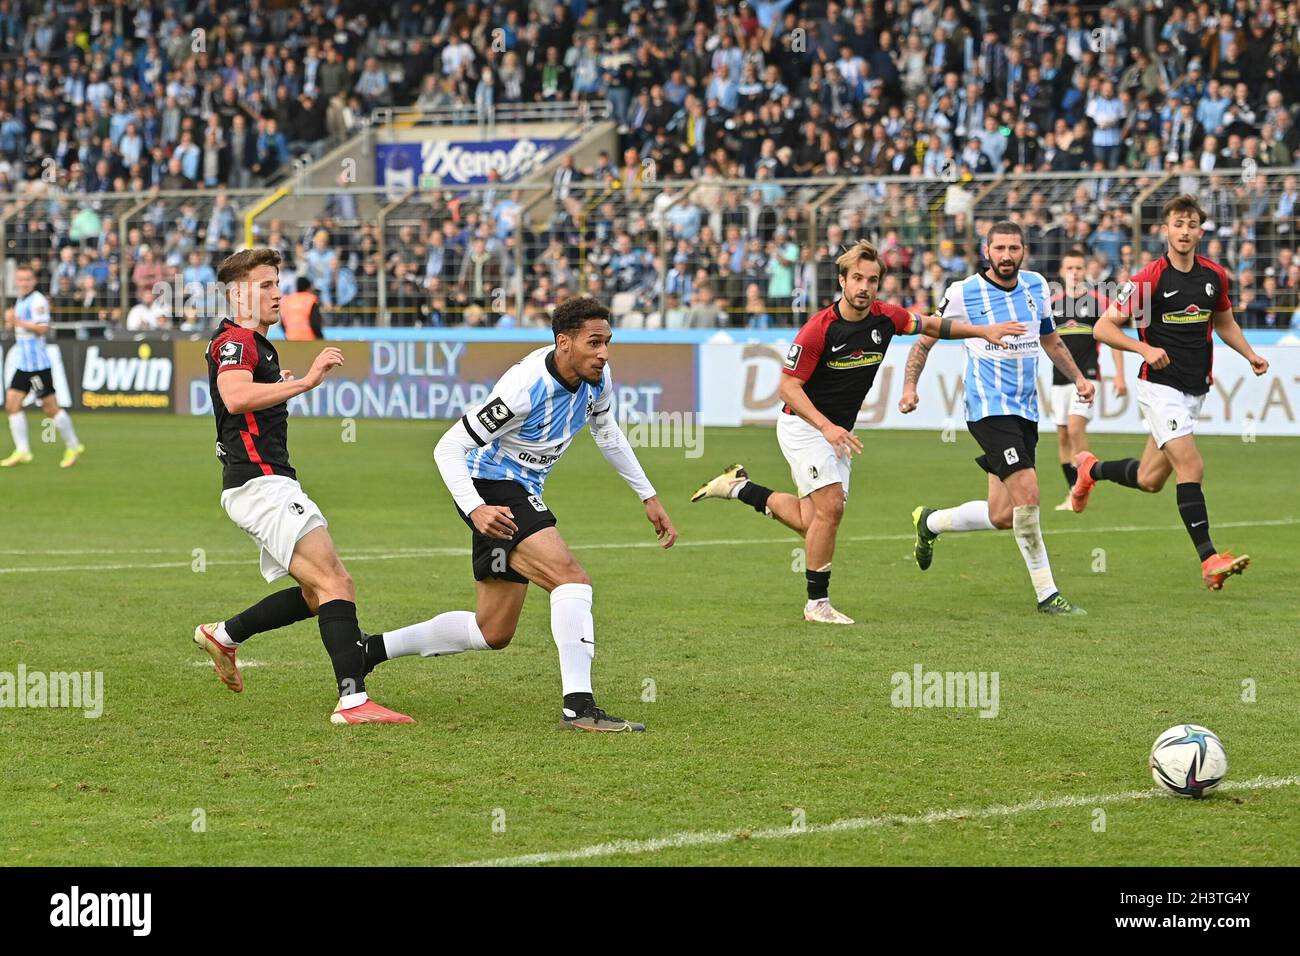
{"x":235,"y":268}
{"x":571,"y":313}
{"x":1186,"y":204}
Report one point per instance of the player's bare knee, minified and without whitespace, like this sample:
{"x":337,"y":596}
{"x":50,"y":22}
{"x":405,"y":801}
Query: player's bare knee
{"x":1151,"y":483}
{"x":497,"y":637}
{"x":1000,"y":519}
{"x":574,"y":573}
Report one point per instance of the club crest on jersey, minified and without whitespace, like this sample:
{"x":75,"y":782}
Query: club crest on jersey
{"x":1209,"y":289}
{"x":875,"y":336}
{"x":230,"y":353}
{"x":792,"y":356}
{"x":494,"y":414}
{"x":856,"y":360}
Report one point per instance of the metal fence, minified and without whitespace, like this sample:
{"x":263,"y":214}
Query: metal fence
{"x":663,"y":253}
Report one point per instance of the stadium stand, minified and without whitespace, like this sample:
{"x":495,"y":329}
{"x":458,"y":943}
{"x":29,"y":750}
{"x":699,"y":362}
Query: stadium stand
{"x":752,"y":139}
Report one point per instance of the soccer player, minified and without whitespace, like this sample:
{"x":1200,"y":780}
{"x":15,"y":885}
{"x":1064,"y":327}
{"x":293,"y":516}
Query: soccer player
{"x":1001,"y":407}
{"x":495,"y":461}
{"x":1074,"y":310}
{"x":261,"y":494}
{"x":828,"y":371}
{"x":1180,"y":299}
{"x":29,"y":317}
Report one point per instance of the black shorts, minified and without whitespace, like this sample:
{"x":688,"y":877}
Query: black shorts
{"x":41,"y":382}
{"x":1009,"y":442}
{"x":491,"y":556}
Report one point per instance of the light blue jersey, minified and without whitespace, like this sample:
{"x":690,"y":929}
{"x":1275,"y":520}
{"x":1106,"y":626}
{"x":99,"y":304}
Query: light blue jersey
{"x":1002,"y":379}
{"x":529,"y":419}
{"x":32,"y":356}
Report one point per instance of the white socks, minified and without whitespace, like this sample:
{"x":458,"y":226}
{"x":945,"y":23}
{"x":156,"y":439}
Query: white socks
{"x":222,"y":637}
{"x":735,"y":489}
{"x":18,"y":429}
{"x":63,"y":423}
{"x":1024,"y":525}
{"x":575,"y":635}
{"x":449,"y":633}
{"x":971,"y":516}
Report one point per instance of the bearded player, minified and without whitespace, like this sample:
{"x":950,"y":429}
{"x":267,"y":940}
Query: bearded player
{"x":1001,"y":386}
{"x":828,"y":372}
{"x":1181,"y":299}
{"x":261,"y":494}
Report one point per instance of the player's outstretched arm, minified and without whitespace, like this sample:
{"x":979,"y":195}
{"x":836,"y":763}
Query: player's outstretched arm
{"x":916,"y":359}
{"x":937,"y":327}
{"x":1225,"y":323}
{"x":613,"y":444}
{"x":1060,"y":355}
{"x":241,"y":394}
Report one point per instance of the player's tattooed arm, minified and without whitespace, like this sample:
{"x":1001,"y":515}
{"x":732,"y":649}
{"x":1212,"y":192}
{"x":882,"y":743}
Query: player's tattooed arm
{"x":937,"y":327}
{"x":1225,"y":323}
{"x":1060,"y":355}
{"x":916,"y":359}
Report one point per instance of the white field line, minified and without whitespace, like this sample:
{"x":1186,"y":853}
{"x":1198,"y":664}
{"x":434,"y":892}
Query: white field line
{"x":398,"y":554}
{"x":719,"y":837}
{"x":242,"y":663}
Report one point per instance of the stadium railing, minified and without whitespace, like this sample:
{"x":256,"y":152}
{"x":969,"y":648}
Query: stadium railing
{"x":544,"y":244}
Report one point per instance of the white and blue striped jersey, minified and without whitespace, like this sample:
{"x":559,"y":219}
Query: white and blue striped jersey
{"x":1002,"y":379}
{"x":529,"y":419}
{"x":32,"y":356}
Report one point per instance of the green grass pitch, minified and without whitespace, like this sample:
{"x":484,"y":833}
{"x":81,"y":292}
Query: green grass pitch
{"x":759,"y":721}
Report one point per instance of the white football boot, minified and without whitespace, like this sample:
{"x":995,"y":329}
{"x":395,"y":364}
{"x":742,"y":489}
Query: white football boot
{"x":821,"y":612}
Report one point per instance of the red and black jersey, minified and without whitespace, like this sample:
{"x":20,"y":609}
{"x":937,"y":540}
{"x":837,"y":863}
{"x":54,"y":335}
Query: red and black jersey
{"x":255,"y":443}
{"x":838,"y":359}
{"x":1175,"y":312}
{"x":1075,"y":315}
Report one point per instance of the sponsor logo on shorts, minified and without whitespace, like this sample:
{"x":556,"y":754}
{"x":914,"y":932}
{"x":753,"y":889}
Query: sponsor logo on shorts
{"x":856,"y":360}
{"x":1011,"y":456}
{"x":536,"y":502}
{"x":494,"y":414}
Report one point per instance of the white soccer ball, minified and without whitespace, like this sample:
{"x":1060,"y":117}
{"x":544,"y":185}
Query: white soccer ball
{"x":1188,"y":760}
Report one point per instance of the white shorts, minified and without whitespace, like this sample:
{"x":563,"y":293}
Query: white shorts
{"x":813,"y":462}
{"x":1065,"y":402}
{"x":275,"y":513}
{"x":1168,"y":413}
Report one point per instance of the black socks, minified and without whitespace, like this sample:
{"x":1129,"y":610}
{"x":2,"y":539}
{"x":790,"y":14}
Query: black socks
{"x":342,"y":638}
{"x":1191,"y":505}
{"x":275,"y":610}
{"x":755,"y":495}
{"x":1122,"y":471}
{"x":1071,"y":473}
{"x":819,"y":585}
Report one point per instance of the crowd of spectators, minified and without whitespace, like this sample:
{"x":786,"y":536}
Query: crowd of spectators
{"x":185,"y":94}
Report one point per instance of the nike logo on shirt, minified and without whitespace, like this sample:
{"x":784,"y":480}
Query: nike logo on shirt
{"x":1168,"y":294}
{"x":836,"y":348}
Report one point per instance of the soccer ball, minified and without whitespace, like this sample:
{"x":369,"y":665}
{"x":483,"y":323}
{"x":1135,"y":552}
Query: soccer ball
{"x":1188,"y":760}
